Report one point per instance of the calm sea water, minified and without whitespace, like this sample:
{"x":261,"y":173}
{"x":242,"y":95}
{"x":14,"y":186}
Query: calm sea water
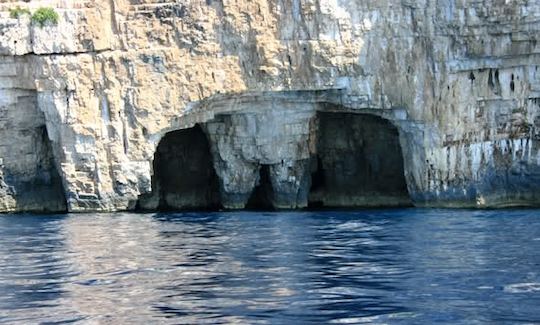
{"x":408,"y":266}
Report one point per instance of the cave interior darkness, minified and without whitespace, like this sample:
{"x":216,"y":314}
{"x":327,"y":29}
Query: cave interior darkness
{"x":359,"y":163}
{"x":184,"y":177}
{"x":261,"y":197}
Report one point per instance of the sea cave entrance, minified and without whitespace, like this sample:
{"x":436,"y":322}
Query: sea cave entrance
{"x":359,"y":163}
{"x":184,"y":176}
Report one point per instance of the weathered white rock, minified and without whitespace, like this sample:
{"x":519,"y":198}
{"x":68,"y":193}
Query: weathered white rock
{"x":459,"y":79}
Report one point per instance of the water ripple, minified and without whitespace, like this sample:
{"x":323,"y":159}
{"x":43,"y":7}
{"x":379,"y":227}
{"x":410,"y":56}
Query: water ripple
{"x":374,"y":267}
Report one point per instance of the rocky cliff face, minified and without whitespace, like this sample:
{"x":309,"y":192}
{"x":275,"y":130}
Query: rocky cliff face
{"x":85,"y":104}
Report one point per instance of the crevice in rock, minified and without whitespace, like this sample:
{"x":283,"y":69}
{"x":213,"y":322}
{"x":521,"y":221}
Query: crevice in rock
{"x":512,"y":84}
{"x":359,"y":163}
{"x":493,"y":82}
{"x":261,"y":197}
{"x":72,"y":53}
{"x":184,"y":175}
{"x":471,"y":77}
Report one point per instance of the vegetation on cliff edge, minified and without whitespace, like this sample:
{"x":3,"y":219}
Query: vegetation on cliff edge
{"x":18,"y":12}
{"x":45,"y":16}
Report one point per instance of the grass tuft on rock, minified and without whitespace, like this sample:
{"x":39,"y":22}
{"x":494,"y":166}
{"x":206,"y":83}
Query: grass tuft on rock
{"x":44,"y":16}
{"x":17,"y":12}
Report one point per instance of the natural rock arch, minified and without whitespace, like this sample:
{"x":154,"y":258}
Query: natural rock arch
{"x":280,"y":153}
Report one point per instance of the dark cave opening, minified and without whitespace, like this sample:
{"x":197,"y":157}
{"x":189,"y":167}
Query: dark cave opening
{"x":261,"y":197}
{"x":359,"y":163}
{"x":184,"y":176}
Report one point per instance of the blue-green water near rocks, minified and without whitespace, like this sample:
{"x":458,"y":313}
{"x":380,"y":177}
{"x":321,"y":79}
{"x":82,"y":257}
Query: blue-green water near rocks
{"x":409,"y":266}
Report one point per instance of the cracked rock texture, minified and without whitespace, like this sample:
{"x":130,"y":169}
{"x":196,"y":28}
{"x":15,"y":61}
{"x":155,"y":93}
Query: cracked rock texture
{"x":85,"y":104}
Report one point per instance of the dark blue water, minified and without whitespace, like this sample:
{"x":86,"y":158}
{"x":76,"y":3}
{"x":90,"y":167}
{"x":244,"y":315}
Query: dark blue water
{"x":379,"y":267}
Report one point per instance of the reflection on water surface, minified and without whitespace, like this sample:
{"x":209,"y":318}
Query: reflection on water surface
{"x":378,"y":266}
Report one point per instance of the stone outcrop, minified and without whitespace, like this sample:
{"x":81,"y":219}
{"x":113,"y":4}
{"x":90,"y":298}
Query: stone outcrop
{"x":86,"y":105}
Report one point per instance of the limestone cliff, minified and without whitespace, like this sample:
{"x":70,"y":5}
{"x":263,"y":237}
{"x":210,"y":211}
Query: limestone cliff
{"x":444,"y":93}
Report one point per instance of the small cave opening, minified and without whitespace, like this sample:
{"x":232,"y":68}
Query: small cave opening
{"x":261,"y":197}
{"x":359,"y":163}
{"x":184,"y":176}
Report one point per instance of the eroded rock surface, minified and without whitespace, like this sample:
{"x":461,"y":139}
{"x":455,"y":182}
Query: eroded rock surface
{"x":459,"y":80}
{"x":270,"y":134}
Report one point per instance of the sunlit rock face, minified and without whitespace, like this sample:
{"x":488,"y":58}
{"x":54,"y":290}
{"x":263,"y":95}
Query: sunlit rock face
{"x":459,"y":81}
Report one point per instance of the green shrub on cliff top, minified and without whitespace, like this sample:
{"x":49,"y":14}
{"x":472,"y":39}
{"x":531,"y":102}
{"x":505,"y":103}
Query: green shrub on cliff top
{"x":18,"y":12}
{"x":44,"y":16}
